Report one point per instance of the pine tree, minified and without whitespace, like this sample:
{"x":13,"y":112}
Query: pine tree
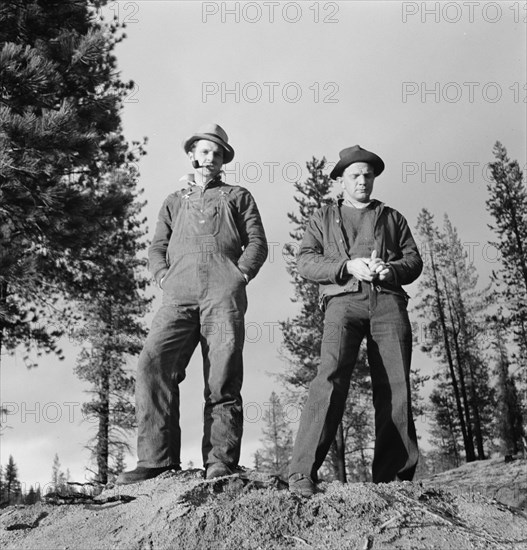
{"x":12,"y":487}
{"x":509,"y":426}
{"x":426,"y":466}
{"x":277,"y":442}
{"x":445,"y":434}
{"x":111,"y":300}
{"x":433,"y":310}
{"x":60,"y":130}
{"x":69,"y":226}
{"x":31,"y":497}
{"x":58,"y":478}
{"x":119,"y":463}
{"x":507,"y":204}
{"x":453,"y":310}
{"x":466,"y":306}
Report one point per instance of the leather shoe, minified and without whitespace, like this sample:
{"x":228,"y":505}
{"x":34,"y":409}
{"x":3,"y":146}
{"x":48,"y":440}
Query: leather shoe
{"x":142,"y":474}
{"x":302,"y":485}
{"x":217,"y":469}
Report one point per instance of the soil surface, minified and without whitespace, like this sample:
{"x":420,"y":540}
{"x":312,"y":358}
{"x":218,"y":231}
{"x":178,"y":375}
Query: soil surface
{"x":457,"y":510}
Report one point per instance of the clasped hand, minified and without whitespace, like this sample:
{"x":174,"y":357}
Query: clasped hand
{"x":369,"y":269}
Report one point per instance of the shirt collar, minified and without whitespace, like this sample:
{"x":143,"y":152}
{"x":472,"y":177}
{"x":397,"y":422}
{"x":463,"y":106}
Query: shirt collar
{"x":372,"y":204}
{"x":189,"y":179}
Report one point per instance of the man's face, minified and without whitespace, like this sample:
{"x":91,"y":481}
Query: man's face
{"x":210,"y":157}
{"x":357,"y":182}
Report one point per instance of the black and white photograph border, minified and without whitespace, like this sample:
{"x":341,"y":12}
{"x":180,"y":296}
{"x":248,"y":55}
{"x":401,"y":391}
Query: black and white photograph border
{"x":437,"y":89}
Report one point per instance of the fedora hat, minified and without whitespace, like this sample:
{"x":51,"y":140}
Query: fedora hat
{"x":356,"y":154}
{"x":215,"y":133}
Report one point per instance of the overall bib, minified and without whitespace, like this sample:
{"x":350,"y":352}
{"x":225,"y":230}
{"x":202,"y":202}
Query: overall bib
{"x":204,"y":300}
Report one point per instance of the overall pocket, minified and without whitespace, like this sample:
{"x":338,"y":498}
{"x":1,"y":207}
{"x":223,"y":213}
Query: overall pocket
{"x":202,"y":219}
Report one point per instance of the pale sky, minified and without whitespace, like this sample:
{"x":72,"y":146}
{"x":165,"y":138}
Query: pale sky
{"x":429,"y":87}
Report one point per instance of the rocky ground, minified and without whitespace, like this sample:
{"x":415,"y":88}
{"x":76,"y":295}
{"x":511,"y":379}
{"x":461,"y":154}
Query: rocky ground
{"x":459,"y":510}
{"x":494,"y":478}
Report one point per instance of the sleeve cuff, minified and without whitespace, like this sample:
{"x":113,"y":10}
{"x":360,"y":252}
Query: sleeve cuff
{"x":342,"y":275}
{"x":159,"y":275}
{"x":244,"y":273}
{"x":394,"y":281}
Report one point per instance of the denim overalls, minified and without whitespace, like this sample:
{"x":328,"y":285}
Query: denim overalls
{"x":204,"y":300}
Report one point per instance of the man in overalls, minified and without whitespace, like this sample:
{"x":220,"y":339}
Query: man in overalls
{"x":208,"y":244}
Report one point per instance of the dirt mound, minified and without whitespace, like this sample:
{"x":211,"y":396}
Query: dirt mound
{"x":181,"y":510}
{"x":494,"y":478}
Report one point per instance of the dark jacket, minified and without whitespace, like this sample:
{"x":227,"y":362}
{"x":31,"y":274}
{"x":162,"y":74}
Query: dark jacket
{"x":323,"y":251}
{"x":245,"y":214}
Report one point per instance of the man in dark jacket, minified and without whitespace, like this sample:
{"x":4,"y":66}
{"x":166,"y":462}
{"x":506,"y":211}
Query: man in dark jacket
{"x":209,"y":243}
{"x":360,"y":252}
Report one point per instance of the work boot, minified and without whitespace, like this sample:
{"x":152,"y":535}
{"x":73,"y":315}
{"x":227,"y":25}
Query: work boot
{"x":217,"y":469}
{"x":142,"y":474}
{"x":302,"y":485}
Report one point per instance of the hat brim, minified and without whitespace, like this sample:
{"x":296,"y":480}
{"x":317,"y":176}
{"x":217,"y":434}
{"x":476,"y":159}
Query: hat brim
{"x":361,"y":156}
{"x":228,"y":151}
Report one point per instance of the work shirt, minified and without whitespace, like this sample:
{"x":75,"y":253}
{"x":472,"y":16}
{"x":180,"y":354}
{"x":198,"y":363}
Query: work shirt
{"x":358,"y":230}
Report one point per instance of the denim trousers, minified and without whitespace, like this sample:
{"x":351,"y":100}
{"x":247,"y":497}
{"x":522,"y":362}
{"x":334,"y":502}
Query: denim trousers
{"x":382,"y":319}
{"x":204,"y":302}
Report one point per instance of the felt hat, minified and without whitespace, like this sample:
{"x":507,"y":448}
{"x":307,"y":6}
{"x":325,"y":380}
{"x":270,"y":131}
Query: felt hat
{"x":357,"y":154}
{"x":215,"y":133}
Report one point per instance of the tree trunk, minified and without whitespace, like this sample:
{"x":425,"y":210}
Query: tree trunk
{"x":339,"y":460}
{"x":507,"y":436}
{"x":3,"y":308}
{"x":448,"y":352}
{"x":469,"y":442}
{"x":103,"y":433}
{"x":453,"y":439}
{"x":506,"y":401}
{"x":478,"y":432}
{"x":474,"y":403}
